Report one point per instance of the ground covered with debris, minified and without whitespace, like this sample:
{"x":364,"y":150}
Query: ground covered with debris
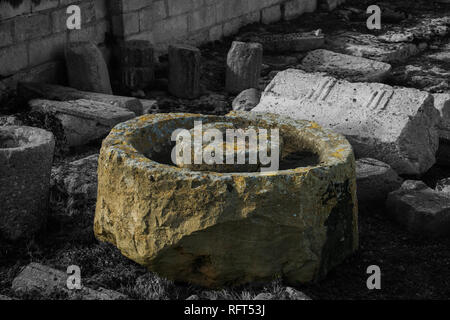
{"x":414,"y":41}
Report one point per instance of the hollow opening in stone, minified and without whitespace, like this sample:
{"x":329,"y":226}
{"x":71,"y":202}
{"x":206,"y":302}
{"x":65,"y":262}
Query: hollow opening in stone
{"x":8,"y":140}
{"x":294,"y":151}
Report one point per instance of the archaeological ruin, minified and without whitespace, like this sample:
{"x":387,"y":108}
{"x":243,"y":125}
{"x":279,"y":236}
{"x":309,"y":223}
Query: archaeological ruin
{"x":224,"y":150}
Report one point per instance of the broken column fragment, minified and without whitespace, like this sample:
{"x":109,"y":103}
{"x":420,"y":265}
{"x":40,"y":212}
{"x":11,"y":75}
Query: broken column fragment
{"x":86,"y":68}
{"x":244,"y":63}
{"x":184,"y":71}
{"x":393,"y":125}
{"x":350,"y":68}
{"x":26,"y":157}
{"x":137,"y":64}
{"x":34,"y":90}
{"x":83,"y":120}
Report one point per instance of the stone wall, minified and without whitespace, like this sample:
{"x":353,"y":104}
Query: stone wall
{"x":197,"y":21}
{"x":33,"y":32}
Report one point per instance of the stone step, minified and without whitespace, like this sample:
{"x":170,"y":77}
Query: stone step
{"x":83,"y":120}
{"x":393,"y":125}
{"x":47,"y":281}
{"x":350,"y":68}
{"x":34,"y":90}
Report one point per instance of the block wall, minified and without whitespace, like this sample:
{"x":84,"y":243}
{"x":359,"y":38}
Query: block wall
{"x":197,"y":21}
{"x":33,"y":33}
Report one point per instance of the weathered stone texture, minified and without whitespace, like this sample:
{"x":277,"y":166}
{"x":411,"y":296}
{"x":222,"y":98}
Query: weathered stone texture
{"x":76,"y":182}
{"x":32,"y":90}
{"x":184,"y":71}
{"x":244,"y":62}
{"x":137,"y":64}
{"x":246,"y":100}
{"x":46,"y":281}
{"x":394,"y":125}
{"x":350,"y":68}
{"x":83,"y":120}
{"x":26,"y":156}
{"x":374,"y":181}
{"x":420,"y":209}
{"x":216,"y":229}
{"x":86,"y":68}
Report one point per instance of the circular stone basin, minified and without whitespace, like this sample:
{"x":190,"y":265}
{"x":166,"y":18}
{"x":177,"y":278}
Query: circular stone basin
{"x":245,"y":150}
{"x":216,"y":229}
{"x":26,"y":156}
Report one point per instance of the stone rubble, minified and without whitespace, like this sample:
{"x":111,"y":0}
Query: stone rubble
{"x":47,"y":281}
{"x":350,"y":68}
{"x":442,"y":104}
{"x":374,"y":181}
{"x":137,"y":65}
{"x":86,"y":68}
{"x":76,"y":182}
{"x":83,"y":120}
{"x":247,"y":100}
{"x":443,"y":185}
{"x":420,"y":209}
{"x":244,"y":62}
{"x":32,"y":90}
{"x":291,"y":42}
{"x":184,"y":71}
{"x":393,"y":125}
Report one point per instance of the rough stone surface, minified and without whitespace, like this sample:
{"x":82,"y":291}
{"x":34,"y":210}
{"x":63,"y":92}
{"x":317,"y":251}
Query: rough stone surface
{"x":83,"y":120}
{"x":76,"y":182}
{"x":420,"y":209}
{"x":33,"y":90}
{"x":246,"y":100}
{"x":216,"y":229}
{"x":184,"y":71}
{"x":442,"y":104}
{"x":244,"y":63}
{"x":4,"y":298}
{"x":235,"y":148}
{"x":443,"y":185}
{"x":291,"y":42}
{"x":369,"y":46}
{"x":26,"y":156}
{"x":149,"y":106}
{"x":374,"y":181}
{"x":137,"y":64}
{"x":36,"y":277}
{"x":294,"y":294}
{"x":394,"y":125}
{"x":355,"y":69}
{"x":86,"y":68}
